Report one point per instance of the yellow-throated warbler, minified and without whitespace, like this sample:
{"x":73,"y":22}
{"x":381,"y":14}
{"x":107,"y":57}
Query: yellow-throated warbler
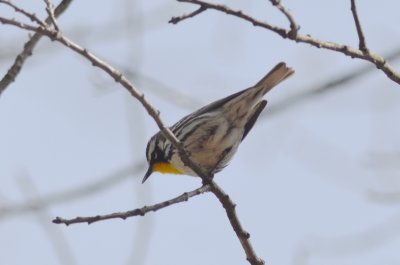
{"x":212,"y":134}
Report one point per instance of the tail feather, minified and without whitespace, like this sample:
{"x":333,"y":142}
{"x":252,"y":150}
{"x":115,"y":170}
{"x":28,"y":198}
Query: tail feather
{"x":279,"y":73}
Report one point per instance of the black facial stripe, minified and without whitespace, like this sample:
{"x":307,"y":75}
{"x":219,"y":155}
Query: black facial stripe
{"x":154,"y":154}
{"x":157,"y":152}
{"x":158,"y":155}
{"x":148,"y":156}
{"x":170,"y":151}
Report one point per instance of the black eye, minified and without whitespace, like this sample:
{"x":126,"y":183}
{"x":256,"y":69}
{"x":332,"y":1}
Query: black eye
{"x":157,"y":155}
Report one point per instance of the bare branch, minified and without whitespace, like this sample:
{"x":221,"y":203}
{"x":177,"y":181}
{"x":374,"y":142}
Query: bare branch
{"x":50,"y":13}
{"x":362,"y":44}
{"x":228,"y":204}
{"x":376,"y":59}
{"x":318,"y":90}
{"x":120,"y":78}
{"x":175,"y":20}
{"x":31,"y":16}
{"x":244,"y":236}
{"x":154,"y":113}
{"x":15,"y":69}
{"x":136,"y":212}
{"x":237,"y":13}
{"x":19,"y":24}
{"x":293,"y":25}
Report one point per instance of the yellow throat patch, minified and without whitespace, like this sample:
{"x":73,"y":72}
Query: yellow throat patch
{"x":164,"y":167}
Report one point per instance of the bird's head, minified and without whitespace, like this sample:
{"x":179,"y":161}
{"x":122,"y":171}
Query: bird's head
{"x":159,"y":157}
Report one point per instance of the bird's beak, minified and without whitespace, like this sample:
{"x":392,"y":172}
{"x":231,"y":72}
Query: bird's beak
{"x":148,"y":173}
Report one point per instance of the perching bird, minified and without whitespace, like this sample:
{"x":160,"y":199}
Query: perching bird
{"x":212,"y":134}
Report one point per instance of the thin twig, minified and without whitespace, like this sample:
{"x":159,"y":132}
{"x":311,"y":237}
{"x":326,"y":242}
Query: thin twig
{"x":175,"y":20}
{"x":19,"y":61}
{"x":333,"y":84}
{"x":376,"y":59}
{"x":362,"y":43}
{"x":31,"y":16}
{"x":293,"y":25}
{"x":19,"y":24}
{"x":50,"y":13}
{"x":244,"y":236}
{"x":207,"y":180}
{"x":120,"y":78}
{"x":152,"y":111}
{"x":136,"y":212}
{"x":237,"y":13}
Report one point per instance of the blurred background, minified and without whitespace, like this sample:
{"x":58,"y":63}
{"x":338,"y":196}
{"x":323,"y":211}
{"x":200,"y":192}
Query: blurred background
{"x":317,"y":181}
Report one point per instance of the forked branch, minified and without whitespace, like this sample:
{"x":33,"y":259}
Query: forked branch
{"x":362,"y":45}
{"x":208,"y":184}
{"x":292,"y":34}
{"x":136,"y":212}
{"x":27,"y":50}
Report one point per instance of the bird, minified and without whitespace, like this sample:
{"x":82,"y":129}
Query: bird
{"x":212,"y":134}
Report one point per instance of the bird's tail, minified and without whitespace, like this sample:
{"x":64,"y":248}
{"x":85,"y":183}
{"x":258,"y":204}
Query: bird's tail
{"x":279,"y":73}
